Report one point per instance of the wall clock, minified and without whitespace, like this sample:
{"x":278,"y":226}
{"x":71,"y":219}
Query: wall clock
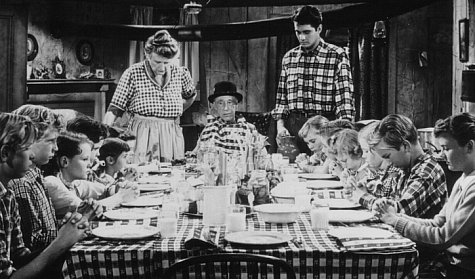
{"x":85,"y":52}
{"x":31,"y":47}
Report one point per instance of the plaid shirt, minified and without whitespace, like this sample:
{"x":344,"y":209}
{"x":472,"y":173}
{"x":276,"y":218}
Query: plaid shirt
{"x":139,"y":93}
{"x":11,"y":241}
{"x":38,"y":221}
{"x":317,"y":82}
{"x":227,"y":136}
{"x":386,"y":183}
{"x":422,"y":189}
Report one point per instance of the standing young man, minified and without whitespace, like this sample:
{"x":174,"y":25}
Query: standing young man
{"x":315,"y":79}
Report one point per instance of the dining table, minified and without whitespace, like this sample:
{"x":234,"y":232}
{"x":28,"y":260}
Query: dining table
{"x":311,"y":253}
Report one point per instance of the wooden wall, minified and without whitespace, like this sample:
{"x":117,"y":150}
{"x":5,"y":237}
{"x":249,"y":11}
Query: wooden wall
{"x":462,"y":9}
{"x":109,"y":53}
{"x":251,"y":64}
{"x":423,"y":93}
{"x":13,"y":21}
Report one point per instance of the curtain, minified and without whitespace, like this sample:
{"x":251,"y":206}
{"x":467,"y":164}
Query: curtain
{"x":140,"y":16}
{"x":369,"y":58}
{"x":190,"y":51}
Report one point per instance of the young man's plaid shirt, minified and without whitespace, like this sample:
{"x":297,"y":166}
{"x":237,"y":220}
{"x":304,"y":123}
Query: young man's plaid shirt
{"x":316,"y":82}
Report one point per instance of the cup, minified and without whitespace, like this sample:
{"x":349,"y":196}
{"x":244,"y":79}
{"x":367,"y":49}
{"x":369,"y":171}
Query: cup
{"x":236,"y":218}
{"x":216,"y":200}
{"x":319,"y":215}
{"x":290,"y":174}
{"x":168,"y":222}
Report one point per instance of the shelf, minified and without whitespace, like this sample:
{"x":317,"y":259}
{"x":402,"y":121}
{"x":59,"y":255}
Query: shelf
{"x":54,"y":86}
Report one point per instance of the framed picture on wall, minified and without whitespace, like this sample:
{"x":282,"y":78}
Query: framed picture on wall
{"x":463,"y":39}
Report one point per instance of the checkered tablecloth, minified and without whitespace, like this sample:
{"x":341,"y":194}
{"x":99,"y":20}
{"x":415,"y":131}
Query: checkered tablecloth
{"x":314,"y":255}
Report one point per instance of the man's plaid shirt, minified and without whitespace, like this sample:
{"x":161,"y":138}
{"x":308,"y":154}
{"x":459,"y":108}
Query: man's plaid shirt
{"x":316,"y":82}
{"x":230,"y":137}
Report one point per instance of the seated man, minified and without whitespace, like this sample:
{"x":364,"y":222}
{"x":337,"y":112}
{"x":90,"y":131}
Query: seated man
{"x":223,"y":131}
{"x":421,"y":190}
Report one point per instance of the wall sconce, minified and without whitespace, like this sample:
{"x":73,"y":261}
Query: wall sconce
{"x":379,"y":30}
{"x":423,"y":59}
{"x":192,"y":8}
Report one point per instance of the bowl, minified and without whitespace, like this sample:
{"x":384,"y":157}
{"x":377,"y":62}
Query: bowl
{"x":285,"y":192}
{"x":278,"y":213}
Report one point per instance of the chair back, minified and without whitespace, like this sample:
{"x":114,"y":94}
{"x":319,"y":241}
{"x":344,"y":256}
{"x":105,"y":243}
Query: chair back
{"x":256,"y":264}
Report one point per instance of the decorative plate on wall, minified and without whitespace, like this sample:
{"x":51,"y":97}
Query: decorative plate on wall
{"x":31,"y":47}
{"x":85,"y":52}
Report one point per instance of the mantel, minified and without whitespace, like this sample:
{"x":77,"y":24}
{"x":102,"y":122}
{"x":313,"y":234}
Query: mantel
{"x":61,"y":93}
{"x":54,"y":86}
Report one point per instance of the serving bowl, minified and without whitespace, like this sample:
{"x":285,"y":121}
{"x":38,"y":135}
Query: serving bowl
{"x":278,"y":213}
{"x":285,"y":192}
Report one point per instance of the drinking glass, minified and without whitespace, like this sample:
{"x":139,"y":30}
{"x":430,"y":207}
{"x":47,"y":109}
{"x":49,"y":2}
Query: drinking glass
{"x":236,"y":218}
{"x":319,"y":215}
{"x":168,"y":222}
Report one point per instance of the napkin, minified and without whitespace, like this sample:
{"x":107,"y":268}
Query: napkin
{"x":204,"y":238}
{"x":354,"y":243}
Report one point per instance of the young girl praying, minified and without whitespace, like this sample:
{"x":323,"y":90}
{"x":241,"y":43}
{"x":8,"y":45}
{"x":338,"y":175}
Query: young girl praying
{"x":350,"y":156}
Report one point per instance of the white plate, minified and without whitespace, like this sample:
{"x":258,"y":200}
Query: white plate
{"x":154,"y":179}
{"x":349,"y":216}
{"x":324,"y":184}
{"x":342,"y":204}
{"x":317,"y":176}
{"x":359,"y":232}
{"x":125,"y":232}
{"x":131,"y":213}
{"x":144,"y":201}
{"x":257,"y":238}
{"x":153,"y":187}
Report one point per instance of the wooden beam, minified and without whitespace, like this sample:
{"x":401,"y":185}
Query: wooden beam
{"x":176,"y":4}
{"x":345,"y":17}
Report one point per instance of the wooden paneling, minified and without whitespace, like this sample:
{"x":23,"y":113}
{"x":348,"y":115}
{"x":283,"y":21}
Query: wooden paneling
{"x":258,"y":71}
{"x":12,"y":56}
{"x":422,"y":93}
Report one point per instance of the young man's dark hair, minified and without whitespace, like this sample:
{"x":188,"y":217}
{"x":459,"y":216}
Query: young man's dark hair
{"x":308,"y":15}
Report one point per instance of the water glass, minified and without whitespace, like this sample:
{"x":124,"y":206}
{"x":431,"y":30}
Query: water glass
{"x":319,"y":215}
{"x":168,"y":222}
{"x":236,"y":218}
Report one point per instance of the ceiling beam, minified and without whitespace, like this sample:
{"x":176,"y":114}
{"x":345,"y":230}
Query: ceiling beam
{"x":344,"y":17}
{"x":176,"y":4}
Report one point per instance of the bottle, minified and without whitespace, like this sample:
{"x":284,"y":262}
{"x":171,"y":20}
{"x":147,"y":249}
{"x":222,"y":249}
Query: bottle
{"x":260,"y":187}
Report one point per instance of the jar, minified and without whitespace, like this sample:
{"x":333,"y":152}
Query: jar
{"x":260,"y":186}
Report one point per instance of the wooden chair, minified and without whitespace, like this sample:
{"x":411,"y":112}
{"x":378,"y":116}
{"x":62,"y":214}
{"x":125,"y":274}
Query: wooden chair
{"x":232,"y":269}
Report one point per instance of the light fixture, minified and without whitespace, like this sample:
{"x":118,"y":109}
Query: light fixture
{"x":192,"y":8}
{"x":379,"y":30}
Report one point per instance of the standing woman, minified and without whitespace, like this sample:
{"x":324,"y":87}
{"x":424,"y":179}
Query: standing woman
{"x":155,"y":92}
